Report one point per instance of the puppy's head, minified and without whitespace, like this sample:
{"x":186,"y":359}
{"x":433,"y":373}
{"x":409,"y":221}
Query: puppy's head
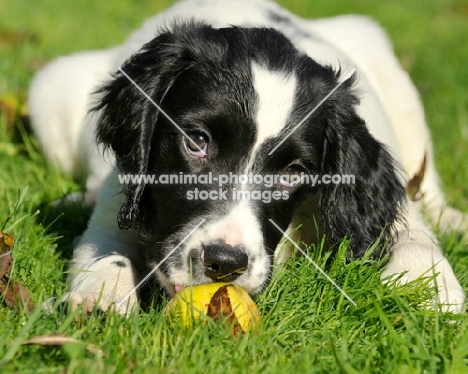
{"x":232,"y":95}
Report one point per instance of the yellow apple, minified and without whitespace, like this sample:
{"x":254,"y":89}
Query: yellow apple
{"x":219,"y":301}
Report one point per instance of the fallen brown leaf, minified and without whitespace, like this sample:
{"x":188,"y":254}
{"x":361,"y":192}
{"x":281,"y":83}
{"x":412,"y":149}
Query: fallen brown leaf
{"x":5,"y":263}
{"x":14,"y":37}
{"x":6,"y":240}
{"x":14,"y":293}
{"x":12,"y":107}
{"x":60,"y":340}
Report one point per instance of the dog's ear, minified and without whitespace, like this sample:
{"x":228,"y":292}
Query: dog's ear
{"x":365,"y":210}
{"x":127,"y":118}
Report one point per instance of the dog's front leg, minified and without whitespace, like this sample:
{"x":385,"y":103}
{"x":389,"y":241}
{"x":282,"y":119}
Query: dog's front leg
{"x":416,"y":253}
{"x":105,"y":262}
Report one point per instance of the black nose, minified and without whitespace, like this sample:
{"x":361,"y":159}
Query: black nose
{"x":223,"y":262}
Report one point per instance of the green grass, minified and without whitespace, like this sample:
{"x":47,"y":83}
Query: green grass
{"x":307,"y":325}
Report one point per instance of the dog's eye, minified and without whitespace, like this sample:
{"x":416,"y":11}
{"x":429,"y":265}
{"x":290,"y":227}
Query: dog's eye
{"x":197,"y":145}
{"x":291,"y":176}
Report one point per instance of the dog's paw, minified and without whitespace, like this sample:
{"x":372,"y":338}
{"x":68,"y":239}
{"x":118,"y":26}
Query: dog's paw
{"x":106,"y":283}
{"x":448,"y":220}
{"x":94,"y":302}
{"x":411,"y":261}
{"x":447,"y":299}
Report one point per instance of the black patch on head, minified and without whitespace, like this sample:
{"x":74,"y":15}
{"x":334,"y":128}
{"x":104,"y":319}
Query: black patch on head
{"x":367,"y":210}
{"x":285,"y":21}
{"x":202,"y":78}
{"x":279,"y":18}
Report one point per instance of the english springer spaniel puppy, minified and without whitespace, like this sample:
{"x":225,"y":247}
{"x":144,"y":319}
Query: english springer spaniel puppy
{"x":242,"y":92}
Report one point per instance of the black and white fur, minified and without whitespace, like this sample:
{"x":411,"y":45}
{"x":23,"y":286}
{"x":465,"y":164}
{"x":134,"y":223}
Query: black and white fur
{"x":242,"y":87}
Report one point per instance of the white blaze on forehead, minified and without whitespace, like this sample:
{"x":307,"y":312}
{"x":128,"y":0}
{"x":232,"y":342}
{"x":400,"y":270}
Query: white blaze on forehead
{"x":275,"y":94}
{"x":239,"y":227}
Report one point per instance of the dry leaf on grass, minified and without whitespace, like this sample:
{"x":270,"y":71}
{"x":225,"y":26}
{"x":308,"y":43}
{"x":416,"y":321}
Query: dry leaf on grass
{"x":6,"y":242}
{"x":12,"y":108}
{"x":14,"y":293}
{"x":60,"y":340}
{"x":16,"y":37}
